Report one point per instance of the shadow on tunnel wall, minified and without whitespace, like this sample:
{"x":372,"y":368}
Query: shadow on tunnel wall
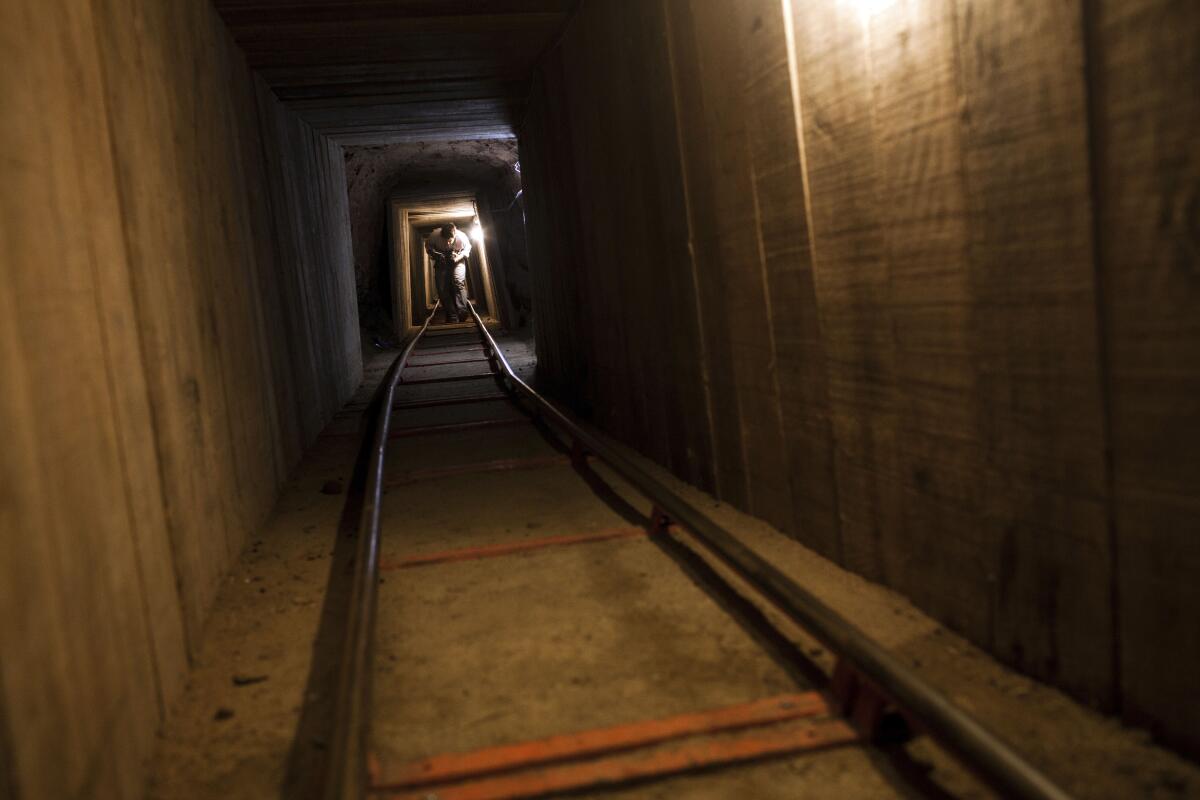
{"x":916,"y":284}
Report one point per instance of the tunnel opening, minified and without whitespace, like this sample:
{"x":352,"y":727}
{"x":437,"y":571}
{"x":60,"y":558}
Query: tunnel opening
{"x":413,"y":222}
{"x":897,"y":294}
{"x":398,"y":193}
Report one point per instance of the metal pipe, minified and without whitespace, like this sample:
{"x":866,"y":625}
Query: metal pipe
{"x":346,"y":771}
{"x":965,"y":737}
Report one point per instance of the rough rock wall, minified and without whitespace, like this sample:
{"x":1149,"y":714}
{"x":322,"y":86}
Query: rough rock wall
{"x":913,"y":286}
{"x":178,"y":320}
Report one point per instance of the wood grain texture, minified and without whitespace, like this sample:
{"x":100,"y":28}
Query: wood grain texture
{"x":637,"y":375}
{"x":785,"y":242}
{"x":1035,"y":334}
{"x":553,"y":230}
{"x":144,"y":317}
{"x":942,"y":555}
{"x":674,"y":314}
{"x":853,"y":281}
{"x":722,"y":407}
{"x":77,"y":638}
{"x":894,"y":227}
{"x":734,"y":247}
{"x":1147,"y":173}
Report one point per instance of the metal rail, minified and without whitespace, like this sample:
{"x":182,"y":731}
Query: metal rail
{"x":958,"y":732}
{"x":346,"y":770}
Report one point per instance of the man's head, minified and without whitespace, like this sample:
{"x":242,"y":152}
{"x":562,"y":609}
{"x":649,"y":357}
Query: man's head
{"x":448,"y":230}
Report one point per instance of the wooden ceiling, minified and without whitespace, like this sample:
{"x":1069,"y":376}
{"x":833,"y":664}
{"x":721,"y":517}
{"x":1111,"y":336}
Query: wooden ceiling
{"x":384,"y":71}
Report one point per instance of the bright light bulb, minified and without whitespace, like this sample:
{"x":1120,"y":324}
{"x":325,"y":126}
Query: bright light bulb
{"x":477,"y":231}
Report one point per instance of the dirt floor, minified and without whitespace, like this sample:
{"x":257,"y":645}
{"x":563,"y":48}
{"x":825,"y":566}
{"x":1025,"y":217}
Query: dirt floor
{"x":489,"y":651}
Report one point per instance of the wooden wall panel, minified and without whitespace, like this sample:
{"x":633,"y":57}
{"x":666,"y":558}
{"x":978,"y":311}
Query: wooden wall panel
{"x":610,"y":249}
{"x":165,"y":156}
{"x":204,"y":313}
{"x":952,"y":230}
{"x":890,"y":245}
{"x":637,"y":373}
{"x":141,"y":351}
{"x":628,"y":180}
{"x":259,"y":232}
{"x":729,"y":477}
{"x":316,"y":303}
{"x":88,"y":614}
{"x":674,"y":315}
{"x":781,"y":220}
{"x":941,"y":556}
{"x":853,"y":281}
{"x":734,"y":247}
{"x":1035,"y":333}
{"x":1145,"y":64}
{"x":552,"y":233}
{"x":648,"y":250}
{"x":728,"y":263}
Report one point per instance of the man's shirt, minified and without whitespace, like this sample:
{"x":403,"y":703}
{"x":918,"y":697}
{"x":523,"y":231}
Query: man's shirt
{"x":459,"y":243}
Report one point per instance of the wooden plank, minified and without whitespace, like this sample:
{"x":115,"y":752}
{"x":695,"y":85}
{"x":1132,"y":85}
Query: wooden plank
{"x":192,"y":197}
{"x":553,"y":230}
{"x":780,"y":204}
{"x":78,"y":567}
{"x":852,"y":278}
{"x":692,"y":113}
{"x":943,"y":551}
{"x":1147,"y":167}
{"x":746,"y":302}
{"x":940,"y":272}
{"x":603,"y":347}
{"x":1035,"y":338}
{"x":685,"y":416}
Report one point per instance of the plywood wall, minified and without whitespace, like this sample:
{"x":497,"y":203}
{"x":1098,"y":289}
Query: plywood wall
{"x":1144,"y":71}
{"x":918,"y":287}
{"x":177,"y":322}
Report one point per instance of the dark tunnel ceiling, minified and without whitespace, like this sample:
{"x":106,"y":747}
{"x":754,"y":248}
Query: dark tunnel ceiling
{"x":383,"y":71}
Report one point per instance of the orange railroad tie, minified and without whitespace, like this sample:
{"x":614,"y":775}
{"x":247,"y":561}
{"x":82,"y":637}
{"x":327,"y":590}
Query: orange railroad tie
{"x":600,"y":741}
{"x":508,"y":548}
{"x":750,"y":745}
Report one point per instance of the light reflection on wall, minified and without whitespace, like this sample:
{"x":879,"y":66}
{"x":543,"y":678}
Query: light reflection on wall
{"x":868,"y":8}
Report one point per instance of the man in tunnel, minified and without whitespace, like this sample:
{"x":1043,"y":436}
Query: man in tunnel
{"x":449,"y":248}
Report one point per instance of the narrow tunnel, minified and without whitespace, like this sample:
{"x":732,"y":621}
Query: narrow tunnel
{"x":818,"y":416}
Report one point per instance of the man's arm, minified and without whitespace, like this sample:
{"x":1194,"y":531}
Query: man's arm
{"x":461,"y":255}
{"x":432,"y":249}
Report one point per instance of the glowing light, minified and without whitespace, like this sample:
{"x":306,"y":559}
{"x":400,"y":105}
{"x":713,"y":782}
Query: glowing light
{"x":477,"y":231}
{"x":869,"y":8}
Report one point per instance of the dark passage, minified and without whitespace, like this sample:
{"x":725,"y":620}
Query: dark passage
{"x":848,"y":448}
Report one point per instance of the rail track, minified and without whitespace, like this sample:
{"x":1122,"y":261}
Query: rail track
{"x":868,"y":697}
